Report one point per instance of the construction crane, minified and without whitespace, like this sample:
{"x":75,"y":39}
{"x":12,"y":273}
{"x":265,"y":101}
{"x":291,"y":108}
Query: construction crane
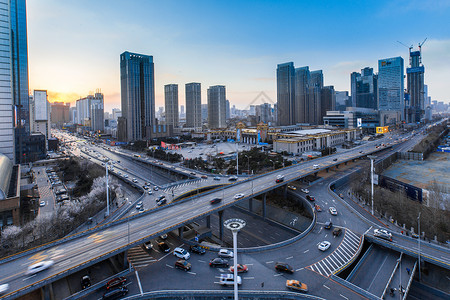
{"x":410,"y":47}
{"x":421,"y":44}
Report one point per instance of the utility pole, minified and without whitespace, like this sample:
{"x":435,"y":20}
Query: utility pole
{"x":107,"y":189}
{"x":372,"y":158}
{"x":418,"y":220}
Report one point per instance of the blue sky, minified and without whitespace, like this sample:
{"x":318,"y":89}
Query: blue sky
{"x":74,"y":46}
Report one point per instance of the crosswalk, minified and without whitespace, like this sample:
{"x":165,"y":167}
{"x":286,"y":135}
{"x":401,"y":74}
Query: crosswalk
{"x":340,"y":257}
{"x":139,"y":258}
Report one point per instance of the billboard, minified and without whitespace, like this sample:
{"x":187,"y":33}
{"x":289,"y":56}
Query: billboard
{"x":359,"y":122}
{"x":381,"y":130}
{"x":40,"y":105}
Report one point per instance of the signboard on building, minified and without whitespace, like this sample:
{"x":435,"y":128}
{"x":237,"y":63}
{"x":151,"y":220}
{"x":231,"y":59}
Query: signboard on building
{"x":383,"y":129}
{"x":359,"y":122}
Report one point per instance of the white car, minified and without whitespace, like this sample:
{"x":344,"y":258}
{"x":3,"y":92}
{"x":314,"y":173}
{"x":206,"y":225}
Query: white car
{"x":382,"y":233}
{"x":139,"y":205}
{"x":315,"y":167}
{"x":163,"y":236}
{"x":228,"y":279}
{"x":126,"y":176}
{"x":42,"y":203}
{"x":239,"y":196}
{"x":323,"y":246}
{"x":225,"y":253}
{"x":306,"y":191}
{"x":3,"y":288}
{"x":134,"y":180}
{"x":333,"y":211}
{"x":150,"y":192}
{"x":40,"y":266}
{"x":181,"y":253}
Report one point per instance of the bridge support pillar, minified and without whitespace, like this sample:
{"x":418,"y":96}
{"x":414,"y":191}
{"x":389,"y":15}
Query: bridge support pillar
{"x":337,"y":166}
{"x":250,"y":204}
{"x":285,"y":190}
{"x":221,"y":225}
{"x":327,"y":169}
{"x":264,"y":206}
{"x":180,"y":232}
{"x":346,"y":162}
{"x":208,"y":221}
{"x":125,"y":259}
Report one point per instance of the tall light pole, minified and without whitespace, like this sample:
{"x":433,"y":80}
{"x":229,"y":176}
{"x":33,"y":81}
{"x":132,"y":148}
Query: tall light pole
{"x":235,"y":225}
{"x":237,"y":158}
{"x":273,"y":163}
{"x":372,"y":158}
{"x":418,"y":220}
{"x":248,"y":164}
{"x":107,"y":189}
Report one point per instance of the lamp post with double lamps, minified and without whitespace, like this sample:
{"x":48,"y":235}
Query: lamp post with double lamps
{"x":235,"y":225}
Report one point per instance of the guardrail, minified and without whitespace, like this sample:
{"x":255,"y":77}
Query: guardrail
{"x":392,"y":276}
{"x":353,"y":287}
{"x":217,"y":294}
{"x":408,"y":286}
{"x":350,"y":276}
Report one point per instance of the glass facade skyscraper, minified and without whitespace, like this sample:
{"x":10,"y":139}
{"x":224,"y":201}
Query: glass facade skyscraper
{"x":171,"y":104}
{"x":193,"y":105}
{"x":217,"y":107}
{"x":364,"y":88}
{"x":391,"y":85}
{"x":286,"y":94}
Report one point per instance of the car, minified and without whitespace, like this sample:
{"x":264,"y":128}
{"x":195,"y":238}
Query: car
{"x":192,"y":173}
{"x":233,"y":178}
{"x":197,"y":249}
{"x":134,"y":180}
{"x":148,"y":245}
{"x":228,"y":279}
{"x":155,"y":188}
{"x":204,"y":177}
{"x":85,"y":282}
{"x":163,"y":236}
{"x":306,"y":191}
{"x":323,"y":246}
{"x":40,"y":266}
{"x":382,"y":233}
{"x":315,"y":167}
{"x":218,"y":262}
{"x":334,"y":159}
{"x":142,"y":209}
{"x":163,"y":247}
{"x":150,"y":192}
{"x":181,"y":253}
{"x":317,"y":207}
{"x":182,"y":265}
{"x":215,"y":200}
{"x":240,"y":268}
{"x":145,"y":187}
{"x":225,"y":253}
{"x":291,"y":187}
{"x":115,"y":293}
{"x":284,"y":267}
{"x":42,"y":203}
{"x":280,"y":178}
{"x":126,"y":176}
{"x":414,"y":235}
{"x":161,"y":202}
{"x":310,"y":198}
{"x":239,"y":196}
{"x":341,"y":196}
{"x":333,"y":211}
{"x":3,"y":288}
{"x":328,"y":225}
{"x":296,"y":285}
{"x":139,"y":205}
{"x":337,"y":231}
{"x":216,"y":178}
{"x":160,"y":198}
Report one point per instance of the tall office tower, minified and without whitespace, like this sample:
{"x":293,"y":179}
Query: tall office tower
{"x":171,"y":104}
{"x":342,"y":100}
{"x":97,"y":116}
{"x":85,"y":110}
{"x":182,"y":111}
{"x":73,"y":114}
{"x":217,"y":107}
{"x":316,"y":78}
{"x":59,"y":113}
{"x":328,"y":101}
{"x":7,"y":110}
{"x":391,"y":85}
{"x":264,"y":113}
{"x":40,"y":110}
{"x":252,"y":110}
{"x":204,"y":112}
{"x":137,"y":83}
{"x":302,"y":80}
{"x":193,"y":105}
{"x":364,"y":88}
{"x":285,"y":94}
{"x":227,"y":109}
{"x":314,"y":103}
{"x":116,"y":113}
{"x":106,"y":115}
{"x":416,"y":90}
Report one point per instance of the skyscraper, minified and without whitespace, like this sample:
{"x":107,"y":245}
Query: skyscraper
{"x":314,"y":103}
{"x":86,"y":107}
{"x":285,"y":94}
{"x":364,"y":88}
{"x":171,"y":104}
{"x":217,"y":107}
{"x":137,"y":82}
{"x":40,"y":111}
{"x":391,"y":85}
{"x":193,"y":105}
{"x":416,"y":89}
{"x":328,"y":101}
{"x":302,"y":80}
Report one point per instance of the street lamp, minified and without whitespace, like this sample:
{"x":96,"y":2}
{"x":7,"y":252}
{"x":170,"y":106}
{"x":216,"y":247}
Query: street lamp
{"x":248,"y":164}
{"x":235,"y":225}
{"x":107,"y":189}
{"x":273,"y":163}
{"x":372,"y":158}
{"x":418,"y":220}
{"x":237,"y":158}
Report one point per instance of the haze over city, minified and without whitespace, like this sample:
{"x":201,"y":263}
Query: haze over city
{"x":74,"y":46}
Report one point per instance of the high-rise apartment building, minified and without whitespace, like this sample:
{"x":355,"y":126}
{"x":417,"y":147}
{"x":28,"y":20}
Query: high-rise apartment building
{"x":364,"y":88}
{"x":59,"y":113}
{"x":217,"y":107}
{"x":416,"y":87}
{"x":116,"y":113}
{"x":302,"y":80}
{"x":328,"y":101}
{"x":137,"y":82}
{"x":97,"y":116}
{"x":86,"y":107}
{"x":171,"y":104}
{"x":285,"y":94}
{"x":391,"y":85}
{"x":314,"y":102}
{"x":40,"y":114}
{"x":264,"y":113}
{"x":228,"y":111}
{"x":204,"y":112}
{"x":193,"y":93}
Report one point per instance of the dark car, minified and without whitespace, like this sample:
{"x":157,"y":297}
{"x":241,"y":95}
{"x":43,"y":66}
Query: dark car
{"x":284,"y":267}
{"x":215,"y":200}
{"x":197,"y":249}
{"x":335,"y":159}
{"x":115,"y":293}
{"x":233,"y":178}
{"x":337,"y":231}
{"x":218,"y":262}
{"x":85,"y":282}
{"x":164,"y":247}
{"x":182,"y":265}
{"x":161,"y":202}
{"x":116,"y":282}
{"x":328,"y":225}
{"x":310,"y":198}
{"x":160,"y":198}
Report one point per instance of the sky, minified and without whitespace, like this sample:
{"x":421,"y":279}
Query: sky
{"x":74,"y":46}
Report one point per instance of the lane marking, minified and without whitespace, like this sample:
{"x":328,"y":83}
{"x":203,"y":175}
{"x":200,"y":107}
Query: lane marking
{"x":299,"y":269}
{"x":192,"y":273}
{"x":277,"y":275}
{"x":290,"y":257}
{"x":305,"y":251}
{"x":343,"y":296}
{"x":269,"y":262}
{"x":326,"y":286}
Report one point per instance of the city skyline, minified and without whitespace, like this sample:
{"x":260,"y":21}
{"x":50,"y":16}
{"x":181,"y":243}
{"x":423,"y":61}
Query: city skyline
{"x":242,"y":57}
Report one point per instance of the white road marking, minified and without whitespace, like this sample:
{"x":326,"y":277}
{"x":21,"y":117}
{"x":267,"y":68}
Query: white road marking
{"x":305,"y":251}
{"x":277,"y":274}
{"x":326,"y":235}
{"x":326,"y":286}
{"x":343,"y":296}
{"x":192,"y":273}
{"x":269,"y":262}
{"x":290,"y":257}
{"x":299,"y":269}
{"x":249,"y":277}
{"x":202,"y":261}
